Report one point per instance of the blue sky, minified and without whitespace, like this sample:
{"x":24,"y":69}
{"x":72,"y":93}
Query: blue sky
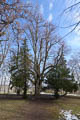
{"x":51,"y":11}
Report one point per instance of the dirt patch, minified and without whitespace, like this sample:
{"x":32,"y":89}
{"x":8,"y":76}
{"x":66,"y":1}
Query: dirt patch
{"x":36,"y":110}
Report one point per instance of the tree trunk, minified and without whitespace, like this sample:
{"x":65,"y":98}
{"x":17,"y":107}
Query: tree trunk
{"x":37,"y":87}
{"x":18,"y":91}
{"x":64,"y":94}
{"x":56,"y":94}
{"x":25,"y":90}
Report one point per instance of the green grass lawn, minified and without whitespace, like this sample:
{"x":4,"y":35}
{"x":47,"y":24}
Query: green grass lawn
{"x":42,"y":110}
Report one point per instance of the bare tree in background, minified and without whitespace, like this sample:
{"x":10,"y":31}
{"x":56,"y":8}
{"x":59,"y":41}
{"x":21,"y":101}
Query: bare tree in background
{"x":69,"y":18}
{"x":7,"y":17}
{"x":74,"y":64}
{"x":11,"y":11}
{"x":72,"y":13}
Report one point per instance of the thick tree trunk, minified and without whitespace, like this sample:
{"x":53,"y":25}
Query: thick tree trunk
{"x":37,"y":87}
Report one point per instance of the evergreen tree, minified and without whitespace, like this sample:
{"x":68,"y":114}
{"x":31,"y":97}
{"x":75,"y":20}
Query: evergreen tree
{"x":20,"y":68}
{"x":60,"y":78}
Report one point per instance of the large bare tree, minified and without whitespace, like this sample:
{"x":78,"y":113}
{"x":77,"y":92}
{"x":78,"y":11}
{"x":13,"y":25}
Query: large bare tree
{"x":43,"y":43}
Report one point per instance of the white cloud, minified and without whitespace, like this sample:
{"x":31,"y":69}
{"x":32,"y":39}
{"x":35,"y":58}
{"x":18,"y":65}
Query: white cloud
{"x":41,"y":9}
{"x":50,"y":18}
{"x":50,"y":5}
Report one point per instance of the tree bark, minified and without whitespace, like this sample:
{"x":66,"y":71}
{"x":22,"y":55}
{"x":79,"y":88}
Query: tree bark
{"x":25,"y":90}
{"x":37,"y":87}
{"x":56,"y":94}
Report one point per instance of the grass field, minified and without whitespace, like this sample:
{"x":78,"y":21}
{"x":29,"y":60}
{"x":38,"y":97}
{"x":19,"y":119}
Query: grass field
{"x":37,"y":110}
